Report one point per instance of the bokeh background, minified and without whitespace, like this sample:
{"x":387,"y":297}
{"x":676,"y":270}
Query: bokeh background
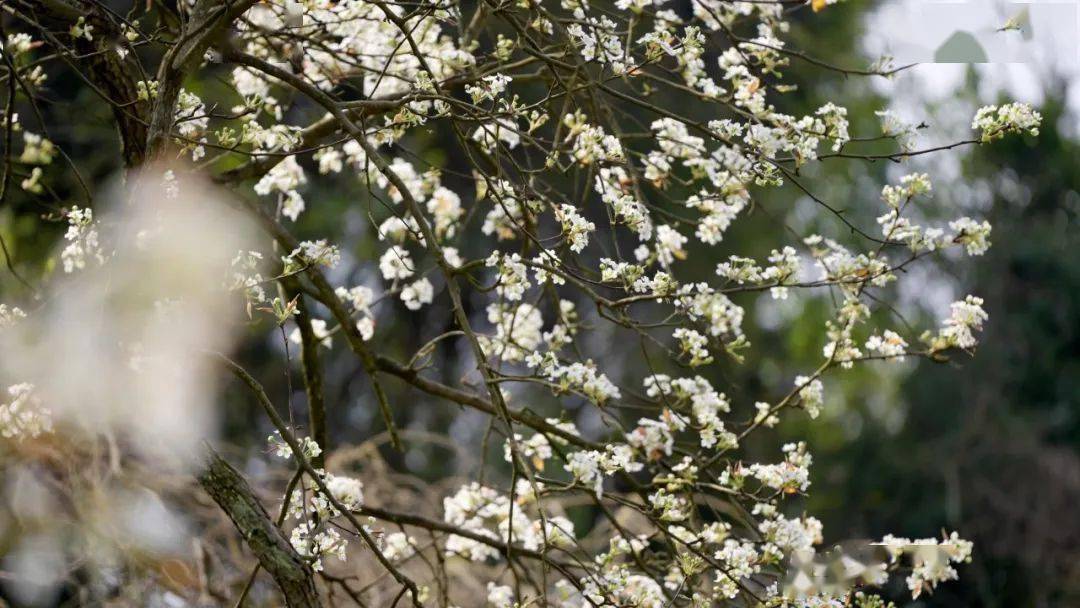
{"x":989,"y":446}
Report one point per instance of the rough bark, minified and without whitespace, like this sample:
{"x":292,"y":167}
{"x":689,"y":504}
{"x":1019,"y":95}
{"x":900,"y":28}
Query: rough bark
{"x":207,"y":24}
{"x":113,"y":77}
{"x":276,"y":556}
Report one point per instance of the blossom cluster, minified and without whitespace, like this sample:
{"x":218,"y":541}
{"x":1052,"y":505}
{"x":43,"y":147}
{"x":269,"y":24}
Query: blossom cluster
{"x":994,"y":122}
{"x":24,"y":417}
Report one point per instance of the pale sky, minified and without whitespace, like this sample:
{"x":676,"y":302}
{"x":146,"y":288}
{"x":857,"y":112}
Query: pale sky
{"x":1021,"y":64}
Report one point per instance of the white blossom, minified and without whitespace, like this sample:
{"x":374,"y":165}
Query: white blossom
{"x":82,"y":237}
{"x":995,"y":122}
{"x":24,"y":417}
{"x":396,"y":264}
{"x":317,"y":542}
{"x":418,"y":293}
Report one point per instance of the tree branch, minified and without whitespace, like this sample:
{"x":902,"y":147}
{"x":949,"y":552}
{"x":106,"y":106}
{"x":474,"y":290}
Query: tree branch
{"x":231,"y":492}
{"x":114,"y":76}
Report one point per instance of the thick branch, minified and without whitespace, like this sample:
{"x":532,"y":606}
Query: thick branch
{"x":208,"y":23}
{"x":317,"y":477}
{"x":113,"y":76}
{"x":229,"y":490}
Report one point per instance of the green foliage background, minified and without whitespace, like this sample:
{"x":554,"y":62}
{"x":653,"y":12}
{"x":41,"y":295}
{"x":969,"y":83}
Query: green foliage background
{"x":988,"y":445}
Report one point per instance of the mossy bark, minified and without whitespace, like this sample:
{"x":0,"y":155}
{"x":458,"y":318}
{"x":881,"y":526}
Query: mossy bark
{"x":231,"y":492}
